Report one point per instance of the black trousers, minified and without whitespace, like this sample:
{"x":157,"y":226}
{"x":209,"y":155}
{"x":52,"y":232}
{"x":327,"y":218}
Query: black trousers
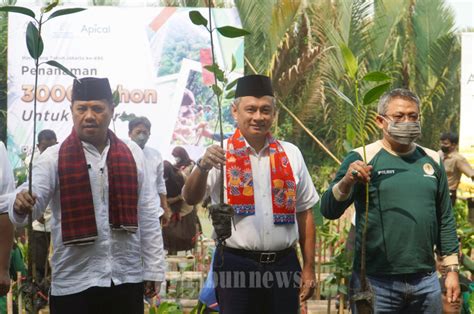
{"x":244,"y":286}
{"x":126,"y":298}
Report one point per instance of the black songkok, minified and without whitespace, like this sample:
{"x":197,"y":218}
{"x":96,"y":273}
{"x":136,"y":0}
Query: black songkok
{"x":91,"y":88}
{"x":254,"y":85}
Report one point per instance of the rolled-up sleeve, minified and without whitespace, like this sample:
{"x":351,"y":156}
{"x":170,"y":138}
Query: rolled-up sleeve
{"x":44,"y":181}
{"x":149,"y":224}
{"x":7,"y":182}
{"x":306,"y":195}
{"x":160,"y":180}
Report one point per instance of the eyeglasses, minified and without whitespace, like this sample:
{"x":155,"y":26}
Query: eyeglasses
{"x":412,"y":117}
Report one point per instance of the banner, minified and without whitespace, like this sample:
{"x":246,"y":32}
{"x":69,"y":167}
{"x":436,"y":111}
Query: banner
{"x":153,"y":57}
{"x":466,"y":134}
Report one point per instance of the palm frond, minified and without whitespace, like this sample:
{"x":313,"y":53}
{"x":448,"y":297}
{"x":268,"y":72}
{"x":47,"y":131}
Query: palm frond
{"x":267,"y":30}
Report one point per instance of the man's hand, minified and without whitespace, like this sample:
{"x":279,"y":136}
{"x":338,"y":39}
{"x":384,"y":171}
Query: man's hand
{"x":24,"y":203}
{"x":4,"y":282}
{"x":358,"y":171}
{"x":213,"y":157}
{"x":157,"y":287}
{"x":165,"y":218}
{"x":308,"y":284}
{"x":453,"y":290}
{"x":152,"y":288}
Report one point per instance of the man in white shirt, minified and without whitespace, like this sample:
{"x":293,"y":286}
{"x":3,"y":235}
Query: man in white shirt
{"x":272,"y":195}
{"x":42,"y":226}
{"x":7,"y":185}
{"x":105,"y":226}
{"x":139,"y":130}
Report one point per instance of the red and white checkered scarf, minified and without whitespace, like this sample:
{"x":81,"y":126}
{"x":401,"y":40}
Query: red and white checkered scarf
{"x":78,"y":222}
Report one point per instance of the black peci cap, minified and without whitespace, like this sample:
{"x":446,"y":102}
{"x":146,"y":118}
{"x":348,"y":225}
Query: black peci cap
{"x":91,"y":88}
{"x":254,"y":85}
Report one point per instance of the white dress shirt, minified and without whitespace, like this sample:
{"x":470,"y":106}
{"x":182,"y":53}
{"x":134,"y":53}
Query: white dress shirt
{"x":154,"y":164}
{"x":115,"y":256}
{"x":258,"y":232}
{"x":36,"y":225}
{"x":7,"y":182}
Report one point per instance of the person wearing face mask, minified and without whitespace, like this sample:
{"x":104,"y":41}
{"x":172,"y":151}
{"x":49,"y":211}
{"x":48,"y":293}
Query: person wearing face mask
{"x":409,"y":212}
{"x":454,"y":163}
{"x":139,"y":132}
{"x":182,"y":160}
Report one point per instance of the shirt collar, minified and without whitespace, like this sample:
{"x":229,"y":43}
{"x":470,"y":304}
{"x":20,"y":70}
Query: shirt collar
{"x":252,"y":151}
{"x":90,"y":149}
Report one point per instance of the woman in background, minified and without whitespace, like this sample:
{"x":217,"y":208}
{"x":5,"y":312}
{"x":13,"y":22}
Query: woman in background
{"x":182,"y":232}
{"x":182,"y":160}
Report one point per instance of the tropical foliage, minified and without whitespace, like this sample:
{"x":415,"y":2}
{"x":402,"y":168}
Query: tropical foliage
{"x":310,"y":48}
{"x":300,"y":46}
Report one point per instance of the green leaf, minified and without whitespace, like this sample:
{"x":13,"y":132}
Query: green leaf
{"x":217,"y":90}
{"x":234,"y":64}
{"x":16,"y":9}
{"x":231,"y":84}
{"x":375,"y":93}
{"x":116,"y":98}
{"x":232,"y":32}
{"x":62,"y":67}
{"x":376,"y":77}
{"x":169,"y":308}
{"x":50,"y":6}
{"x":214,"y":68}
{"x":126,"y":117}
{"x":230,"y":95}
{"x":350,"y":61}
{"x":343,"y":290}
{"x":64,"y":12}
{"x":350,"y":133}
{"x":197,"y":18}
{"x":34,"y":41}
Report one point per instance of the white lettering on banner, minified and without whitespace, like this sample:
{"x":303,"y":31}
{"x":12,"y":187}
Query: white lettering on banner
{"x":95,"y":29}
{"x":150,"y":65}
{"x":58,"y":93}
{"x":136,"y":95}
{"x":60,"y":116}
{"x":46,"y":116}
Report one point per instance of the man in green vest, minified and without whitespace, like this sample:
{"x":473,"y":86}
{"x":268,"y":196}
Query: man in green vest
{"x":409,"y":212}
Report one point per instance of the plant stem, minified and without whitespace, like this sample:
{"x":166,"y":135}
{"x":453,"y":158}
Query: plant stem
{"x":363,"y":268}
{"x":219,"y":106}
{"x":31,"y":244}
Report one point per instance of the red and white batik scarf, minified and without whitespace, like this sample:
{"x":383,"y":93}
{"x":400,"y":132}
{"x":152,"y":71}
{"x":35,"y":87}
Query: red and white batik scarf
{"x":240,"y":191}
